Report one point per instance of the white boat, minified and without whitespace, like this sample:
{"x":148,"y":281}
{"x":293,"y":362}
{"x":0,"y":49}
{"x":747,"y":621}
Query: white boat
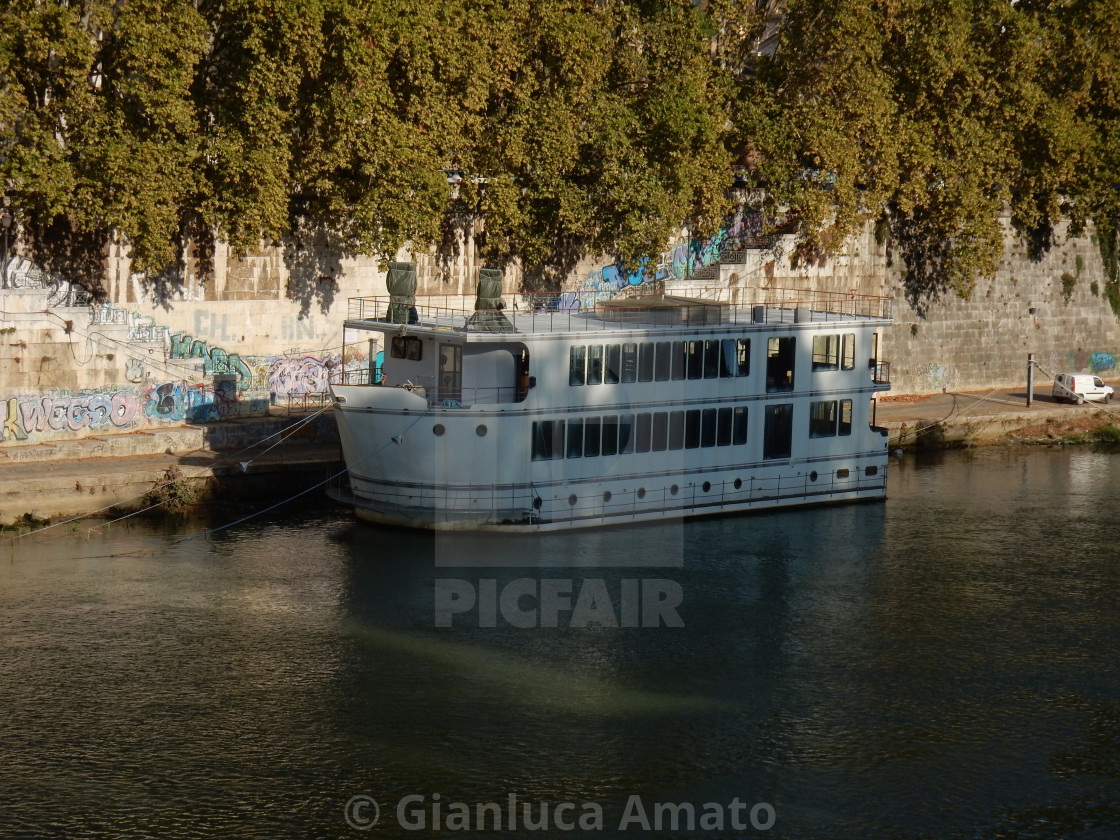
{"x":586,"y":409}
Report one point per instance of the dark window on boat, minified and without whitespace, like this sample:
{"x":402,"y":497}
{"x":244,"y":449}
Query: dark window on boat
{"x":841,"y":473}
{"x":708,"y":427}
{"x":848,"y":360}
{"x":779,"y":363}
{"x":691,"y":429}
{"x":610,"y":435}
{"x":723,"y":427}
{"x":845,"y":417}
{"x":826,"y":352}
{"x":645,"y":362}
{"x":643,"y":433}
{"x":595,"y":365}
{"x":869,"y":471}
{"x":663,"y":370}
{"x":660,"y":431}
{"x":591,"y":436}
{"x":575,"y":439}
{"x":406,"y":347}
{"x":822,"y":419}
{"x":676,"y":430}
{"x":734,"y":357}
{"x":548,"y":440}
{"x":711,"y":358}
{"x":629,"y":362}
{"x":577,"y":366}
{"x":777,"y":437}
{"x":695,"y":359}
{"x":739,"y":429}
{"x":626,"y":434}
{"x":614,"y":363}
{"x":679,"y":356}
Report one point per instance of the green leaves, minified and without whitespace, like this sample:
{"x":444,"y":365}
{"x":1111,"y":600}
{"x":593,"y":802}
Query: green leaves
{"x":577,"y":127}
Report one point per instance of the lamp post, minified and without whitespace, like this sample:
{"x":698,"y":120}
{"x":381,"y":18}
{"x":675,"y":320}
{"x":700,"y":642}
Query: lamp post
{"x":6,"y":223}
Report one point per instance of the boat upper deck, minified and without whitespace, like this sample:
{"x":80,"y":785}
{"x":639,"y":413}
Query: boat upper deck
{"x":576,"y":312}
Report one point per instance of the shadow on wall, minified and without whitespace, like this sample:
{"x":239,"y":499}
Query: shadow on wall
{"x":314,"y":266}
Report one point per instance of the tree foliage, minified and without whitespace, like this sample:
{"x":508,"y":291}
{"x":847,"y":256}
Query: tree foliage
{"x":569,"y":127}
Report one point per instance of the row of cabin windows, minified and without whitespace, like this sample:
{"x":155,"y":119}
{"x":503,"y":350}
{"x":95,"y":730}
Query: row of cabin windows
{"x":656,"y":431}
{"x":698,"y":428}
{"x":658,"y":361}
{"x":832,"y":352}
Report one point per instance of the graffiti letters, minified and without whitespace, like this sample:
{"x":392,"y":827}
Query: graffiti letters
{"x":25,"y":415}
{"x":216,"y":361}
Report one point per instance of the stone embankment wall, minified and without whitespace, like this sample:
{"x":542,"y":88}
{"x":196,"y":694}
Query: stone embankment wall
{"x":242,"y":334}
{"x":1054,"y":308}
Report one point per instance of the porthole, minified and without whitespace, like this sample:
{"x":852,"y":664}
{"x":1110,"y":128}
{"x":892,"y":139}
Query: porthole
{"x":674,"y":489}
{"x":871,"y":471}
{"x":841,"y":473}
{"x":738,"y":484}
{"x":641,"y":492}
{"x":606,"y":495}
{"x":706,"y":486}
{"x":480,"y":430}
{"x":438,"y":430}
{"x":572,"y":499}
{"x":813,"y":475}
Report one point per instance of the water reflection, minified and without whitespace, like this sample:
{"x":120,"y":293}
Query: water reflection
{"x":939,"y":666}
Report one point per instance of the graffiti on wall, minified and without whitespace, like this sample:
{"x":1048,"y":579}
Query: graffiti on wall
{"x":199,"y":403}
{"x":25,"y":415}
{"x":215,"y":360}
{"x":681,"y":261}
{"x":1100,"y":362}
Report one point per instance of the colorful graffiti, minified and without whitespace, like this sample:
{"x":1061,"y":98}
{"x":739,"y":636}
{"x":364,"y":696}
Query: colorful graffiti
{"x":1100,"y":362}
{"x":681,"y":261}
{"x":215,"y":360}
{"x":300,"y":377}
{"x":199,"y":403}
{"x":24,"y":415}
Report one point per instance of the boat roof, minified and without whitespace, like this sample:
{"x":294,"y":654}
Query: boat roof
{"x":595,"y":311}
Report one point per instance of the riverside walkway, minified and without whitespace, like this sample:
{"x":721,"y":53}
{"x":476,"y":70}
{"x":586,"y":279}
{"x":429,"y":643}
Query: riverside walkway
{"x":280,"y":455}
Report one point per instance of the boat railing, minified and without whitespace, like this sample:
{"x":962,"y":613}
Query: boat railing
{"x":584,"y":310}
{"x":436,"y":397}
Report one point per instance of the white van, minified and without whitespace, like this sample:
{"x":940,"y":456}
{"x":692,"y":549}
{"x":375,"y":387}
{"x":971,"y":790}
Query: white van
{"x":1078,"y":387}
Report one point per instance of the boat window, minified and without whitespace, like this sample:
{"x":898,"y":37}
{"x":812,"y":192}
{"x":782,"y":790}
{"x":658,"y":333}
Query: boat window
{"x":625,"y":434}
{"x":779,"y":363}
{"x":660,"y":431}
{"x":777,"y":440}
{"x":406,"y":347}
{"x":645,"y":361}
{"x":591,"y":437}
{"x":695,"y":359}
{"x":845,"y":417}
{"x":614,"y":364}
{"x":708,"y":427}
{"x":663,"y":369}
{"x":822,"y":419}
{"x":577,"y":366}
{"x":711,"y":358}
{"x":848,"y":360}
{"x":743,"y":351}
{"x":679,"y":355}
{"x":595,"y":365}
{"x":575,"y":439}
{"x":630,"y":363}
{"x":826,"y":352}
{"x":610,"y":435}
{"x":739,"y":432}
{"x":548,"y":437}
{"x":723,"y":427}
{"x":676,"y":430}
{"x":691,"y":429}
{"x":643,"y":433}
{"x":729,"y":361}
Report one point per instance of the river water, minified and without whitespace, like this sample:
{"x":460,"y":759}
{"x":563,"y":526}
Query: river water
{"x":941,"y":665}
